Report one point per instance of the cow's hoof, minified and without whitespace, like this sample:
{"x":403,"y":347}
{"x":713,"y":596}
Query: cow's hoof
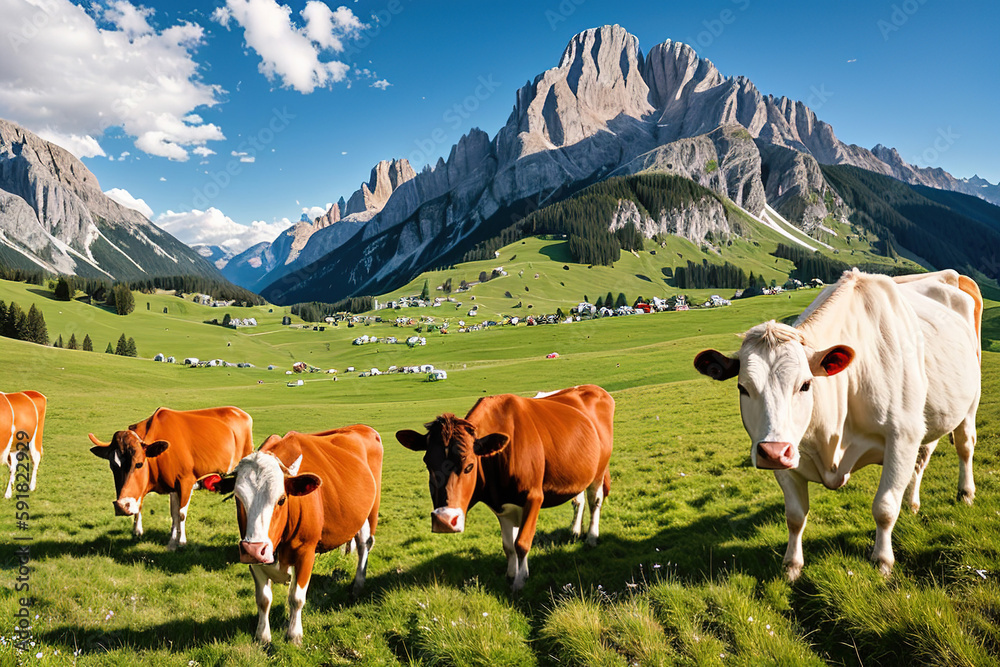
{"x":295,"y":640}
{"x":592,"y":540}
{"x":966,"y":497}
{"x":884,"y":568}
{"x":793,"y":571}
{"x":173,"y":546}
{"x":914,"y":507}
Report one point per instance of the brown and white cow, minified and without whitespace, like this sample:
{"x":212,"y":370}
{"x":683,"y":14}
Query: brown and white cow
{"x":517,"y":455}
{"x":167,"y":453}
{"x":298,"y":496}
{"x":876,"y":370}
{"x":22,"y":415}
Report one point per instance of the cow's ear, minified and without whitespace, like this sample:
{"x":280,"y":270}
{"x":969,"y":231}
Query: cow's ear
{"x":831,"y":361}
{"x":155,"y":448}
{"x":301,"y":485}
{"x":103,"y":450}
{"x":716,"y":365}
{"x":412,"y":440}
{"x":217,"y":483}
{"x":491,"y":444}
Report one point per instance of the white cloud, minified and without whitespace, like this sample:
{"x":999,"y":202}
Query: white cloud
{"x":381,"y":84}
{"x":202,"y":151}
{"x":125,"y":198}
{"x":213,"y":227}
{"x":163,"y":178}
{"x":244,"y":156}
{"x":288,"y":51}
{"x":312,"y":212}
{"x":69,"y":74}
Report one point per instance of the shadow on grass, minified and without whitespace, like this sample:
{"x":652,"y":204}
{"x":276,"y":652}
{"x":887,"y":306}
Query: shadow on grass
{"x":702,"y":550}
{"x":178,"y":635}
{"x":149,"y":550}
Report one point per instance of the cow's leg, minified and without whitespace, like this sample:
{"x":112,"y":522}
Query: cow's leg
{"x":595,"y":498}
{"x":179,"y":502}
{"x":297,"y":588}
{"x":525,"y":536}
{"x":923,"y":458}
{"x":900,"y":459}
{"x":965,"y":444}
{"x":262,"y":586}
{"x":12,"y":462}
{"x":364,"y":542}
{"x":510,"y":519}
{"x":578,"y":502}
{"x":796,"y":491}
{"x":137,"y":524}
{"x":36,"y":458}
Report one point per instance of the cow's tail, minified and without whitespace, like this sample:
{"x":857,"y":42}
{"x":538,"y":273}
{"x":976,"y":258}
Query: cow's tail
{"x":969,"y":286}
{"x":606,"y":486}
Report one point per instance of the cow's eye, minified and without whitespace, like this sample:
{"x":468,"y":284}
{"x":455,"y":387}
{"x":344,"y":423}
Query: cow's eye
{"x":743,"y":390}
{"x":468,"y":469}
{"x":281,"y":501}
{"x":138,"y":465}
{"x":806,"y":385}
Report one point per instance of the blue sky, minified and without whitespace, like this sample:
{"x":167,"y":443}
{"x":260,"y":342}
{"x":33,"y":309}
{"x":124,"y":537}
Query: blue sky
{"x":237,"y":106}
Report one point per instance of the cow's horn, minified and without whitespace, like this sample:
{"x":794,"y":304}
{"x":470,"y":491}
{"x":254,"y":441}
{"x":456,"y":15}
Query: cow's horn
{"x":93,"y":439}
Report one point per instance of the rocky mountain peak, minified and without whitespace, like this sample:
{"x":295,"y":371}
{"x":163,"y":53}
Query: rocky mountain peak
{"x":331,"y":216}
{"x":386,"y":176}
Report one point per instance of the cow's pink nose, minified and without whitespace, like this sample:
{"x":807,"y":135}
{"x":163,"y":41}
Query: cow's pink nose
{"x":775,"y":455}
{"x":256,"y":552}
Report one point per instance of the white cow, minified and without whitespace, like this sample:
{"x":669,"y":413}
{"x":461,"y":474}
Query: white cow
{"x":876,"y":370}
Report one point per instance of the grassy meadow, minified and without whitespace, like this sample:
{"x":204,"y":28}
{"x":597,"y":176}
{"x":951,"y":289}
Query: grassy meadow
{"x":687,"y":571}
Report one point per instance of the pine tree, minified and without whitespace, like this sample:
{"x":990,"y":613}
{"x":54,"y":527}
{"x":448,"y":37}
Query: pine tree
{"x":63,"y":291}
{"x":122,"y":348}
{"x":109,"y":350}
{"x":36,"y":330}
{"x":227,"y":319}
{"x":58,"y":342}
{"x":621,"y":300}
{"x":130,"y":350}
{"x":71,"y":345}
{"x":600,"y":303}
{"x":609,"y":300}
{"x":3,"y":315}
{"x":121,"y":299}
{"x":425,"y":293}
{"x":10,"y":321}
{"x":88,"y":345}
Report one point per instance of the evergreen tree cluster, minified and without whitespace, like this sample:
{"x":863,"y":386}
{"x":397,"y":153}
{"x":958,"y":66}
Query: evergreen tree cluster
{"x":125,"y":348}
{"x":705,"y":275}
{"x":317,"y":311}
{"x":959,"y":235}
{"x":585,"y":217}
{"x":16,"y":324}
{"x":809,"y":265}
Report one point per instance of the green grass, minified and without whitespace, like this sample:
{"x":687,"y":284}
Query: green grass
{"x":691,"y":539}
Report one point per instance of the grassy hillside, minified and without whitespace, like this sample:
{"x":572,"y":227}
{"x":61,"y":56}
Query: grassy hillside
{"x":688,"y":569}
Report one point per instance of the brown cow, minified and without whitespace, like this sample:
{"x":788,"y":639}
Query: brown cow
{"x":284,"y":522}
{"x":167,"y":453}
{"x":26,"y":412}
{"x":518,"y":455}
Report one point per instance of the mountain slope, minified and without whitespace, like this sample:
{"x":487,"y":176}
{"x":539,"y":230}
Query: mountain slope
{"x":910,"y":221}
{"x":54,"y":216}
{"x":605,"y":109}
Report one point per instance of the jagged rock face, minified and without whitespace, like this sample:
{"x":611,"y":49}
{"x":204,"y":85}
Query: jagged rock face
{"x":726,"y":160}
{"x":53,"y":215}
{"x":371,"y":197}
{"x":694,"y":222}
{"x":794,"y":185}
{"x":331,"y":216}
